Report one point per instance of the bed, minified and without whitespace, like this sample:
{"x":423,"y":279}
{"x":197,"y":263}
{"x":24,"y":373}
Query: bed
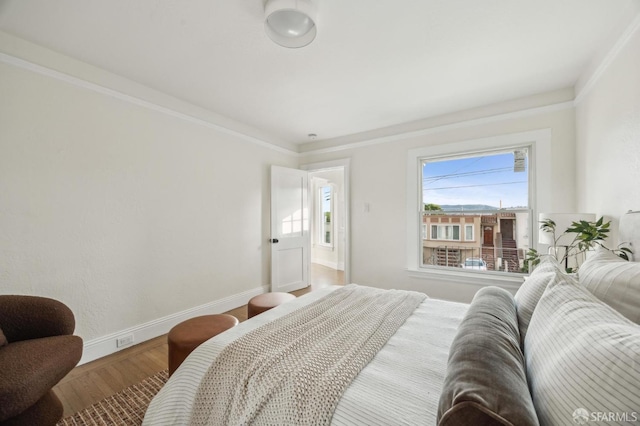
{"x":541,"y":357}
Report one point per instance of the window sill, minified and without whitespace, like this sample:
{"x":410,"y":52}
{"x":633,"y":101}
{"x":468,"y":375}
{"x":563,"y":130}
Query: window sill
{"x":509,"y":281}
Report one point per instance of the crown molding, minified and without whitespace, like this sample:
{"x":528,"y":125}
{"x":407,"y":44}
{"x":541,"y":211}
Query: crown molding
{"x":445,"y":127}
{"x":582,"y":92}
{"x":608,"y":59}
{"x":88,"y":85}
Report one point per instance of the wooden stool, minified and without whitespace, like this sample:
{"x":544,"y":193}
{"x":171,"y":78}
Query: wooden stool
{"x":189,"y":334}
{"x":263,"y":302}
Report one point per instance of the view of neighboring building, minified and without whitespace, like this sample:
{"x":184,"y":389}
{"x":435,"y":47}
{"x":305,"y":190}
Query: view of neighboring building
{"x":500,"y":240}
{"x":461,"y":225}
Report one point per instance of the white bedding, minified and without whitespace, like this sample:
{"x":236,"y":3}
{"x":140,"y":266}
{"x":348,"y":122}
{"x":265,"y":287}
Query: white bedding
{"x":401,"y":385}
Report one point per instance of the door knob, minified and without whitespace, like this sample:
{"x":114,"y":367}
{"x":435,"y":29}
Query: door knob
{"x":274,"y":240}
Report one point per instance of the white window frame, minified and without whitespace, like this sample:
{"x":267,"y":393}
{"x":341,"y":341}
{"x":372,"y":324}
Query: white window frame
{"x":539,"y":145}
{"x":320,"y":238}
{"x":445,"y":225}
{"x":473,"y":232}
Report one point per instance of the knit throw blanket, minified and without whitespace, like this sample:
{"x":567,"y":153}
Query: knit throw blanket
{"x":293,"y":370}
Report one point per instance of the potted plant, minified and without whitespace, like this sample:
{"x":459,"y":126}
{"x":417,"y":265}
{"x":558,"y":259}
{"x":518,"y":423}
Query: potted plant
{"x":586,"y":236}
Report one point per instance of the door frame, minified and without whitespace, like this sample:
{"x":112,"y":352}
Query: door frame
{"x":488,"y":229}
{"x":335,"y":164}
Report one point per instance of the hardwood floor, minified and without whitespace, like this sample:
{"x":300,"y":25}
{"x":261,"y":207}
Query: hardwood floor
{"x":89,"y":383}
{"x":322,"y":276}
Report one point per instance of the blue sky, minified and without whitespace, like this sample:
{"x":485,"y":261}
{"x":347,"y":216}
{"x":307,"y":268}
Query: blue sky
{"x":485,"y":179}
{"x":326,"y":199}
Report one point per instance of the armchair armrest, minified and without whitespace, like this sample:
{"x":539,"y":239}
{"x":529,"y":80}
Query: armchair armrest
{"x":32,"y":317}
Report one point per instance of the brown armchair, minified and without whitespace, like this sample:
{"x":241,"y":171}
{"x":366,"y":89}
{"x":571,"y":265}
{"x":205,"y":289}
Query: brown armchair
{"x":37,"y":349}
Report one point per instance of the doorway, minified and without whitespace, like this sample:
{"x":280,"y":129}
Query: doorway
{"x":488,"y":236}
{"x":328,"y":199}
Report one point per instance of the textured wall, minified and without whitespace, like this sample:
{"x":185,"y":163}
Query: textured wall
{"x":608,"y":138}
{"x":125,"y":214}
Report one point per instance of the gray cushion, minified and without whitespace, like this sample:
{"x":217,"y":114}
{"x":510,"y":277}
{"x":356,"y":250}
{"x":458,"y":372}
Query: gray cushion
{"x":531,"y":290}
{"x":581,"y":356}
{"x":485,"y":381}
{"x":614,"y":281}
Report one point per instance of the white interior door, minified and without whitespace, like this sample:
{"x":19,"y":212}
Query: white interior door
{"x":289,"y":229}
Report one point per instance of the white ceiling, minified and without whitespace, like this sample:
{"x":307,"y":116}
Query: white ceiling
{"x":374,"y":63}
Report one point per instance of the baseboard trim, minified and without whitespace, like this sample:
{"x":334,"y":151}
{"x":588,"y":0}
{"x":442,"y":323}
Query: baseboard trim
{"x":328,"y":264}
{"x":106,"y":345}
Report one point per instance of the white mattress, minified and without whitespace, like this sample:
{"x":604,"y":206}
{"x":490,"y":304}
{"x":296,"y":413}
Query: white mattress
{"x":401,"y":385}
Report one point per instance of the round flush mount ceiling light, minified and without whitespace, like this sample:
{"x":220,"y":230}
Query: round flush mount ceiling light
{"x":290,"y":23}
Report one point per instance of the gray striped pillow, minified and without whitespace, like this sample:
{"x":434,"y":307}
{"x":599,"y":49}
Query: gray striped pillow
{"x":582,"y":358}
{"x":531,"y":290}
{"x":614,"y":281}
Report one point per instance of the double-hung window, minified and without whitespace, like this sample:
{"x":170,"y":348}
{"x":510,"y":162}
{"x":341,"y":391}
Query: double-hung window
{"x":325,"y":212}
{"x":468,"y":233}
{"x":445,"y":232}
{"x":489,"y":190}
{"x":476,"y":202}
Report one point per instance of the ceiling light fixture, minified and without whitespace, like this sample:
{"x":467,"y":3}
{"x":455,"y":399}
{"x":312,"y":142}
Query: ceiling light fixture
{"x":290,"y":23}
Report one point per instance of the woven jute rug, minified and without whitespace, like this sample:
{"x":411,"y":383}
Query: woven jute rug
{"x":125,"y":408}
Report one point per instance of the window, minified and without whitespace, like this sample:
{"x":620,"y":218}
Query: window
{"x":488,"y":189}
{"x":325,"y":204}
{"x":468,"y":233}
{"x":445,"y":232}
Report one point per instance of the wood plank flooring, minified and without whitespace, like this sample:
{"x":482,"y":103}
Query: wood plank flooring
{"x":89,"y":383}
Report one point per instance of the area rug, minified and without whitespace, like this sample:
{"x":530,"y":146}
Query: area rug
{"x":125,"y":408}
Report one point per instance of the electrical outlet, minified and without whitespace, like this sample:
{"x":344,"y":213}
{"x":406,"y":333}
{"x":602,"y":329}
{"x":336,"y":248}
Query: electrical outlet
{"x":124,"y":340}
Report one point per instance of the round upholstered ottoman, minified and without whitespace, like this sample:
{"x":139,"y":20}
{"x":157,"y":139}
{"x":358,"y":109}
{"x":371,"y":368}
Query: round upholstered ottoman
{"x":266,"y":301}
{"x":189,"y":334}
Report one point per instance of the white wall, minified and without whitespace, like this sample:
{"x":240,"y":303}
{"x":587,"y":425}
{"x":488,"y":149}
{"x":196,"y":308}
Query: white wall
{"x":378,"y":178}
{"x":608,"y":135}
{"x":125,"y":213}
